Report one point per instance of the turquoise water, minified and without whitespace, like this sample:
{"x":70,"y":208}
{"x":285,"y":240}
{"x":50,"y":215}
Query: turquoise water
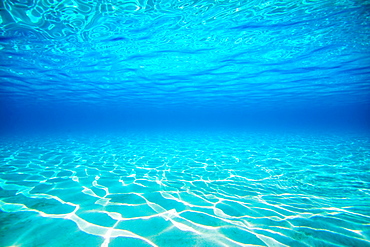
{"x":184,"y":123}
{"x":188,"y":189}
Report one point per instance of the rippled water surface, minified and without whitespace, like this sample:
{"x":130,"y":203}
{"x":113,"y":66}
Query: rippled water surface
{"x":180,"y":53}
{"x":198,"y":189}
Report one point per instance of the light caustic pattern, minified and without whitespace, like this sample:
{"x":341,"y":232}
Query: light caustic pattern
{"x":185,"y":190}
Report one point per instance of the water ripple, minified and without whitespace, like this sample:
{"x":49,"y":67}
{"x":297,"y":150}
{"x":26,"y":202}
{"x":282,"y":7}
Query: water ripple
{"x":214,"y":190}
{"x":186,"y":50}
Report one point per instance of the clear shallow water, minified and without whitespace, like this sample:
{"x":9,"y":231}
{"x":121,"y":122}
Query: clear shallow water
{"x":186,"y":189}
{"x":133,"y":123}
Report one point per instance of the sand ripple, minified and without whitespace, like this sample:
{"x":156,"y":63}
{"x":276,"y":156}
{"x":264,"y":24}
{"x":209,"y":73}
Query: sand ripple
{"x":185,"y":190}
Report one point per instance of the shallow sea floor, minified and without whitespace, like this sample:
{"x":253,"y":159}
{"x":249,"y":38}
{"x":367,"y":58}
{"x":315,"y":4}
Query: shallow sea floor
{"x":185,"y":189}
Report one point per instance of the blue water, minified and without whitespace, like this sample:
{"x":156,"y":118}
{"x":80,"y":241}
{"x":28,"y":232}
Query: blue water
{"x":184,"y":123}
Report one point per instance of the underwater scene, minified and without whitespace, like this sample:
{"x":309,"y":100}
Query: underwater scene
{"x":184,"y":123}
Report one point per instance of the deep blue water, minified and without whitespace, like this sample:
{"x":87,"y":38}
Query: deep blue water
{"x":184,"y":123}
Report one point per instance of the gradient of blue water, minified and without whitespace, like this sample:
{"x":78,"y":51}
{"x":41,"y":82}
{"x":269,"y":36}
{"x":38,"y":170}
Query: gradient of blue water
{"x":179,"y":54}
{"x":287,"y":81}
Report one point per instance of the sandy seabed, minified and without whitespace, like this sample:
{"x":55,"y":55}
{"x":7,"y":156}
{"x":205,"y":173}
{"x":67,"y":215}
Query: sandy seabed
{"x":198,"y":189}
